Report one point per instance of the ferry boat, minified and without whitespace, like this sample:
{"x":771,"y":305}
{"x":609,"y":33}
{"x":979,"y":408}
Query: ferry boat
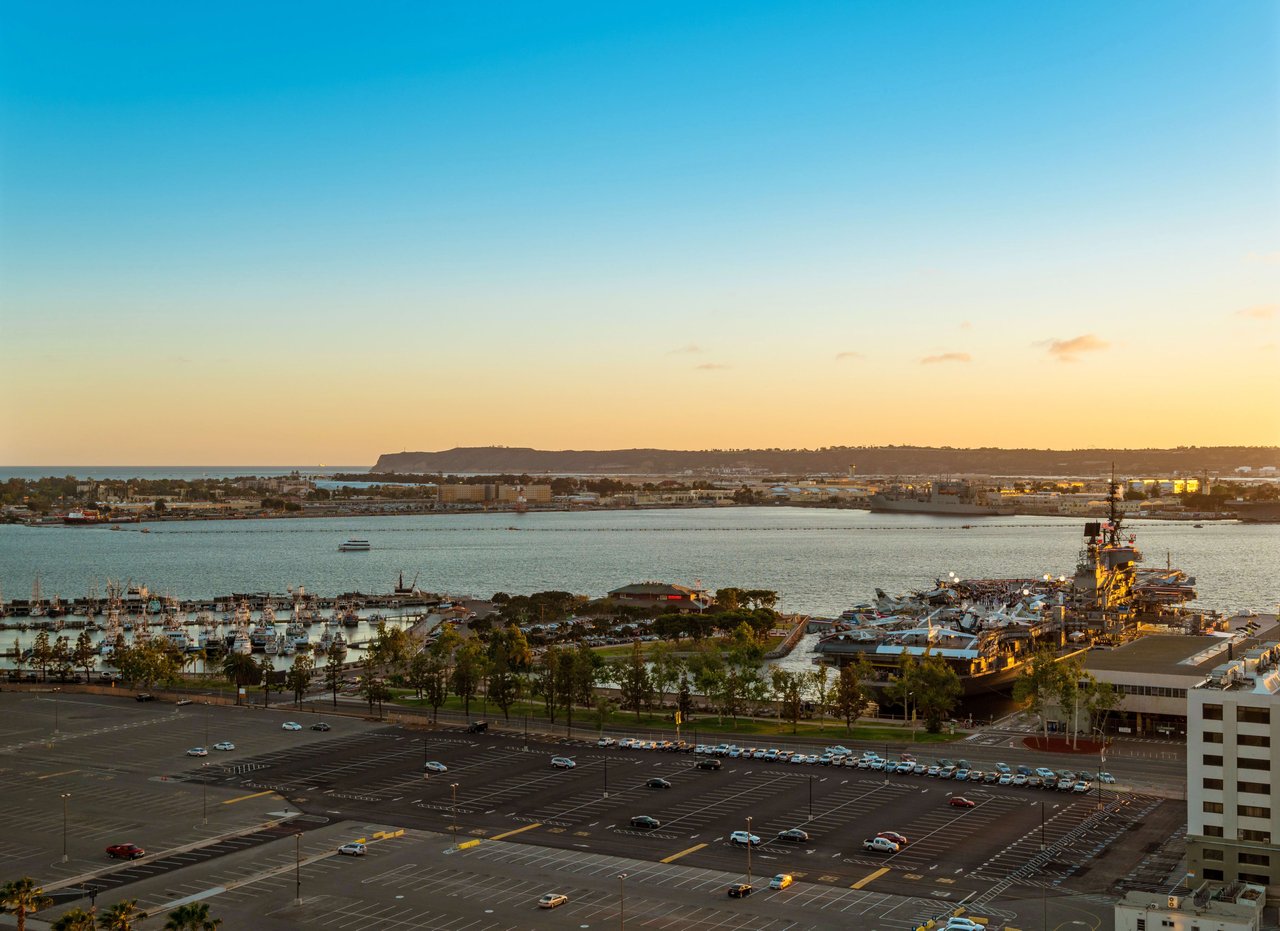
{"x":354,"y":546}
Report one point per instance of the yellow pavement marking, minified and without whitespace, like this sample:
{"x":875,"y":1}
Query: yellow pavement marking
{"x":677,"y":856}
{"x":913,"y":876}
{"x":870,"y":877}
{"x":241,"y":798}
{"x":65,"y":772}
{"x":527,"y":827}
{"x":467,"y":845}
{"x":943,"y":879}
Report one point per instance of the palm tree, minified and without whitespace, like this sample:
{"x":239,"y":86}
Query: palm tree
{"x":22,"y":897}
{"x":191,"y":917}
{"x":121,"y":916}
{"x":240,"y":670}
{"x":75,"y":920}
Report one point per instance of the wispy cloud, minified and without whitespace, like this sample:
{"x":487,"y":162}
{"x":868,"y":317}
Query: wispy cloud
{"x":1263,"y":258}
{"x":689,"y":350}
{"x":710,"y":367}
{"x":1260,"y":312}
{"x":847,"y":356}
{"x":946,"y":357}
{"x":966,"y":325}
{"x":1070,"y":350}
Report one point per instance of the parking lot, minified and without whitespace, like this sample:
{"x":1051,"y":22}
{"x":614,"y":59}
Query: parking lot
{"x":125,"y":768}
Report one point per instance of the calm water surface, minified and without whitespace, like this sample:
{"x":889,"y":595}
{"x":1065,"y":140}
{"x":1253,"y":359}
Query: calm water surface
{"x":821,"y":561}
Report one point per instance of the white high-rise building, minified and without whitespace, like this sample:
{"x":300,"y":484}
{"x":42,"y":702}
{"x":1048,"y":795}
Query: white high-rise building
{"x":1233,"y":747}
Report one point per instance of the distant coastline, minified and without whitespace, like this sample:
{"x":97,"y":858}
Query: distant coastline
{"x":183,"y":473}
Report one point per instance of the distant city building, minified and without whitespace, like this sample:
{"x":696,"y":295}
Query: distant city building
{"x":1211,"y":907}
{"x":1233,"y":747}
{"x":500,"y":494}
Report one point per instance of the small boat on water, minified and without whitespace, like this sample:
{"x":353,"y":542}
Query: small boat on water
{"x":354,"y":546}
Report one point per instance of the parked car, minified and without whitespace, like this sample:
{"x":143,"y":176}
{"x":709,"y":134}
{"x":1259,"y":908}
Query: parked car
{"x":1006,"y":779}
{"x":742,"y":839}
{"x":1066,"y":785}
{"x":781,"y":881}
{"x":958,"y":801}
{"x":197,"y":751}
{"x":657,"y":782}
{"x":553,"y":900}
{"x":1106,"y":778}
{"x":880,"y":845}
{"x":1081,"y":787}
{"x":1003,"y":768}
{"x":794,"y":836}
{"x":477,"y":727}
{"x":709,"y":762}
{"x":290,"y":726}
{"x":125,"y":852}
{"x":957,"y":923}
{"x":1045,"y":773}
{"x":607,"y":742}
{"x":435,"y":766}
{"x":224,"y":745}
{"x":1019,"y":779}
{"x":1024,"y":769}
{"x":145,"y":696}
{"x":894,"y":836}
{"x":321,"y":726}
{"x":646,"y":822}
{"x":739,"y":890}
{"x":562,"y":762}
{"x":353,"y":850}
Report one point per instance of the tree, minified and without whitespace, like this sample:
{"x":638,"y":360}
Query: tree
{"x":239,"y":669}
{"x":468,"y":666}
{"x":416,"y":672}
{"x":850,"y":694}
{"x":820,"y":678}
{"x":19,"y":657}
{"x":22,"y":897}
{"x":42,"y":653}
{"x":194,"y":916}
{"x":121,"y":917}
{"x":160,"y":507}
{"x":937,"y":690}
{"x":664,"y":667}
{"x":63,"y":658}
{"x":332,"y":675}
{"x":634,"y":682}
{"x":266,"y":669}
{"x":436,"y":684}
{"x":1039,"y":685}
{"x":1101,"y":699}
{"x":708,"y":669}
{"x":788,"y":691}
{"x":546,"y":679}
{"x":86,"y":654}
{"x":298,"y":678}
{"x":75,"y":920}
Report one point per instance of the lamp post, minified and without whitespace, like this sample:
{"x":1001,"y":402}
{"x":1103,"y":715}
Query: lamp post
{"x":454,"y":787}
{"x":55,"y":718}
{"x":204,"y":787}
{"x":748,"y":850}
{"x":622,"y":902}
{"x":64,"y":797}
{"x":811,"y":796}
{"x":606,"y":778}
{"x":910,"y":716}
{"x":297,"y":868}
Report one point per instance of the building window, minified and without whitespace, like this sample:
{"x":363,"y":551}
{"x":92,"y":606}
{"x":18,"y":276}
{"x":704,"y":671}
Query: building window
{"x":1211,"y":760}
{"x":1142,"y":924}
{"x":1256,"y":837}
{"x":1213,"y":783}
{"x":1245,"y":762}
{"x":1213,"y":874}
{"x":1213,"y":737}
{"x":1253,"y":740}
{"x":1254,"y":859}
{"x":1260,"y":878}
{"x":1211,"y":854}
{"x":1252,"y":811}
{"x":1213,"y":808}
{"x":1260,"y":788}
{"x":1248,"y":715}
{"x":1212,"y":713}
{"x":1213,"y":830}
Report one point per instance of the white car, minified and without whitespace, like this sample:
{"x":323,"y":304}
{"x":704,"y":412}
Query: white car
{"x":224,"y":745}
{"x":605,"y":742}
{"x":353,"y":850}
{"x":562,"y":762}
{"x":742,"y":839}
{"x":880,"y":845}
{"x":435,"y":766}
{"x":290,"y":726}
{"x":553,"y":900}
{"x":197,"y":751}
{"x":1106,"y":779}
{"x":956,"y":923}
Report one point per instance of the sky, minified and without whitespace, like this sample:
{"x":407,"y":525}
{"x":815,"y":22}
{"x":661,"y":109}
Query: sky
{"x":288,"y":233}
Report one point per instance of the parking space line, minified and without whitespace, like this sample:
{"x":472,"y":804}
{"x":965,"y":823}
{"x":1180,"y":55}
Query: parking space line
{"x":65,"y":772}
{"x":677,"y":856}
{"x":870,"y":877}
{"x":527,"y":827}
{"x":243,"y":798}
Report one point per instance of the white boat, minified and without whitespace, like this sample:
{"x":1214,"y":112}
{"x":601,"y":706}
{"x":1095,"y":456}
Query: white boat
{"x":354,"y":546}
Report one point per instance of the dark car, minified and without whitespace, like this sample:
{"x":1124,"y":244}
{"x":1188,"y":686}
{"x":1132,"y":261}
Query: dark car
{"x":657,"y":782}
{"x":739,"y":890}
{"x":477,"y":727}
{"x":794,"y":836}
{"x":1025,"y":770}
{"x":125,"y":852}
{"x":646,"y":822}
{"x":961,"y":802}
{"x":709,"y":762}
{"x":321,"y":726}
{"x":145,"y":696}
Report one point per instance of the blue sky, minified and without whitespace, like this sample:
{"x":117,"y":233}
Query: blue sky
{"x":592,"y":209}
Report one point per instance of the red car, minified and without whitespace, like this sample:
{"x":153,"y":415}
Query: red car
{"x":125,"y":852}
{"x":960,"y":802}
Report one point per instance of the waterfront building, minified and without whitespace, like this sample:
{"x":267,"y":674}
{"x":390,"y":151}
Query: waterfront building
{"x":1233,"y":747}
{"x":486,"y":494}
{"x":649,"y":594}
{"x":1211,"y":907}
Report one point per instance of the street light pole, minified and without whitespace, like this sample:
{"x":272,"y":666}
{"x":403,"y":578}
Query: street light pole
{"x":748,"y":850}
{"x":204,"y":786}
{"x":811,"y":796}
{"x":454,"y":787}
{"x":55,"y":718}
{"x":297,"y":868}
{"x":64,"y":796}
{"x":606,"y":778}
{"x":622,"y":903}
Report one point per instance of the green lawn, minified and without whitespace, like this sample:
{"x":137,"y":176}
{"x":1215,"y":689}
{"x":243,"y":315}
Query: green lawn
{"x":685,"y":645}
